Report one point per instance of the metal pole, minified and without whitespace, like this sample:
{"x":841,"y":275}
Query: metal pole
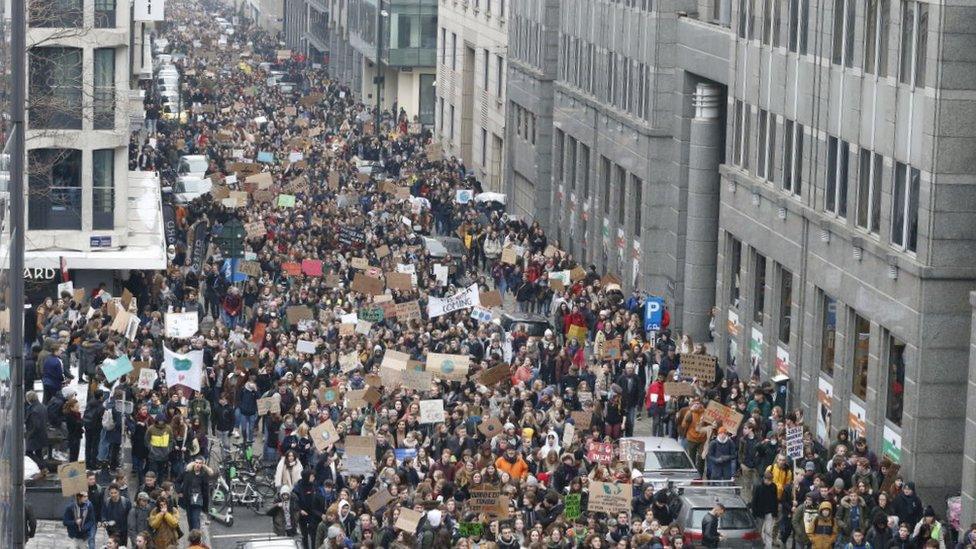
{"x":18,"y":156}
{"x":379,"y":65}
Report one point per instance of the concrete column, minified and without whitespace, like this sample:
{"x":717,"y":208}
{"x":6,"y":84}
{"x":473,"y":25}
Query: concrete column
{"x":701,"y":248}
{"x":969,"y":452}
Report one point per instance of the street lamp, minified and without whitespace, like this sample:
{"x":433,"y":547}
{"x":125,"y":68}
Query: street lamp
{"x":380,"y":14}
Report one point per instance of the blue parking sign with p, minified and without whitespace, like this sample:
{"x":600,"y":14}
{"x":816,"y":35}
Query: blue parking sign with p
{"x":653,"y":313}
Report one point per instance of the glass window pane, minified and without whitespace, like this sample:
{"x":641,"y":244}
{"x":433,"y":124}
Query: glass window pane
{"x":759,"y":290}
{"x":103,"y":192}
{"x":862,"y":349}
{"x":735,"y":267}
{"x":828,"y":340}
{"x":921,"y":42}
{"x":785,"y":305}
{"x":104,"y":99}
{"x":894,"y":403}
{"x":898,"y":207}
{"x":907,"y":30}
{"x":870,"y":35}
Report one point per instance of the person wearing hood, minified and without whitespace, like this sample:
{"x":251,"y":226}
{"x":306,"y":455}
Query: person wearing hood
{"x":722,"y":457}
{"x":852,"y":516}
{"x":310,"y":504}
{"x":880,"y":534}
{"x":159,"y":439}
{"x":551,"y":445}
{"x":929,"y":529}
{"x":513,"y":464}
{"x":824,"y":531}
{"x":138,"y":520}
{"x":284,"y":513}
{"x":908,"y":506}
{"x":565,"y":473}
{"x":434,"y":532}
{"x":347,"y":519}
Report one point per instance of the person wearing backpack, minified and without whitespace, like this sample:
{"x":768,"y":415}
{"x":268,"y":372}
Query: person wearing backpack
{"x":115,"y":512}
{"x":434,"y":533}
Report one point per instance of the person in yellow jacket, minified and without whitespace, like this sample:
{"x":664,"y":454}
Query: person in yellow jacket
{"x":782,"y":474}
{"x":824,"y":531}
{"x":165,"y":523}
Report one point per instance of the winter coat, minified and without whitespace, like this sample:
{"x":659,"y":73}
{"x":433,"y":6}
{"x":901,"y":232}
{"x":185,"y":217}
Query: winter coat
{"x":852,"y":508}
{"x":36,"y":427}
{"x":824,"y":529}
{"x":52,"y":376}
{"x":159,"y":438}
{"x":165,"y":527}
{"x":722,"y":459}
{"x":71,"y":514}
{"x":764,"y":500}
{"x":138,"y":521}
{"x":908,"y":509}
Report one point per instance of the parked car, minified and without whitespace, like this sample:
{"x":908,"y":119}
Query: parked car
{"x":739,"y":527}
{"x":443,"y":246}
{"x":194,"y":165}
{"x":530,"y":323}
{"x":665,"y":461}
{"x":268,"y":543}
{"x":188,"y":188}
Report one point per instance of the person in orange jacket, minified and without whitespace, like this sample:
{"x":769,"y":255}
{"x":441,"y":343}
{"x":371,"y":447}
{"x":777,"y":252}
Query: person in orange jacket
{"x":513,"y":464}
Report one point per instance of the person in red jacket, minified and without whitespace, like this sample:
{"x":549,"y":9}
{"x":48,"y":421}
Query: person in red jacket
{"x":654,"y":403}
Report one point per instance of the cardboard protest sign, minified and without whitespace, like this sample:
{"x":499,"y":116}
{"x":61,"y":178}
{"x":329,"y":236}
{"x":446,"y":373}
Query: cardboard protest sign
{"x":676,"y":389}
{"x":262,"y":178}
{"x":367,"y":285}
{"x":582,"y":419}
{"x":493,"y":375}
{"x":250,"y":268}
{"x":297,"y":313}
{"x":324,"y":435}
{"x":491,"y":299}
{"x":305,"y":346}
{"x":408,"y":520}
{"x":349,"y":362}
{"x":405,"y":312}
{"x":417,"y":380}
{"x":569,"y":433}
{"x":698,"y":366}
{"x":577,"y":274}
{"x":395,"y":360}
{"x":379,"y":500}
{"x":576,"y":332}
{"x":181,"y":325}
{"x":611,"y":349}
{"x":391,"y":378}
{"x":432,"y":411}
{"x":382,"y":251}
{"x":399,"y":281}
{"x":508,"y":255}
{"x":491,"y":427}
{"x":719,"y":414}
{"x":269,"y":405}
{"x":356,"y":399}
{"x":632,"y":450}
{"x":448,"y":367}
{"x":74,"y":478}
{"x":484,"y":498}
{"x":360,"y":446}
{"x":609,"y":497}
{"x":286,"y":201}
{"x":255,"y":230}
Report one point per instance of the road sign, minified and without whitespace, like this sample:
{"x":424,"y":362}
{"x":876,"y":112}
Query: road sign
{"x":653,"y":313}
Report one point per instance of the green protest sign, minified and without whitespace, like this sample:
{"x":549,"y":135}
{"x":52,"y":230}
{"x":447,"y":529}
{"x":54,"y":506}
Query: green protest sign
{"x":470,"y":529}
{"x":571,"y":506}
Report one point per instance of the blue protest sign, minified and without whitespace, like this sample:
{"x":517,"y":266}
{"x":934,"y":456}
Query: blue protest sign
{"x":653,"y":313}
{"x":114,"y":369}
{"x":230,"y":271}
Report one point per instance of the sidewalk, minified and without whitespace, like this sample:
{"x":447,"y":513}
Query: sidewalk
{"x":51,"y":534}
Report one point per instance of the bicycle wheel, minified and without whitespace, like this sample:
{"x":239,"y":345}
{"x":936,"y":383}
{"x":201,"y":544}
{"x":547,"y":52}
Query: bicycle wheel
{"x":257,"y":503}
{"x":267,"y":490}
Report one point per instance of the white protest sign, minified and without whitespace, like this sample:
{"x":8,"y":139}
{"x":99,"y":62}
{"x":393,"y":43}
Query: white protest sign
{"x":181,"y":325}
{"x":147,"y":377}
{"x":469,"y":297}
{"x":431,"y":411}
{"x":307,"y":347}
{"x":794,"y":442}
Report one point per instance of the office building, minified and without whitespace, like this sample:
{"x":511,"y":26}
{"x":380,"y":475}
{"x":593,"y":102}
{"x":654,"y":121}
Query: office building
{"x":84,"y":206}
{"x":471,"y":67}
{"x":805,"y":168}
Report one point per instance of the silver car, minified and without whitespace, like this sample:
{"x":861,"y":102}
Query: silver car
{"x":665,"y":461}
{"x":738,"y":525}
{"x":268,"y":543}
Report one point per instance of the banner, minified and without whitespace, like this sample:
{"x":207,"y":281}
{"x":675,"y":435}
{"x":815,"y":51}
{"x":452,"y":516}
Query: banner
{"x":469,"y":297}
{"x":149,"y":10}
{"x":198,"y":236}
{"x":186,"y":370}
{"x":169,"y":224}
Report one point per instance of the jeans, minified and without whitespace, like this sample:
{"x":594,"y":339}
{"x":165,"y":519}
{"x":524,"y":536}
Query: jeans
{"x":656,"y":414}
{"x":246,"y":425}
{"x":768,"y":524}
{"x":193,"y":516}
{"x":631,"y":419}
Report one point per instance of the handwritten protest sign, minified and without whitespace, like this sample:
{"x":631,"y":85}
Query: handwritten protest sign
{"x":677,"y":389}
{"x":379,"y":500}
{"x":324,"y":435}
{"x":408,"y":520}
{"x":74,"y":478}
{"x":181,"y":325}
{"x":698,"y":366}
{"x":609,"y":497}
{"x":448,"y":367}
{"x":719,"y":414}
{"x":432,"y":411}
{"x":599,"y":452}
{"x":571,"y":506}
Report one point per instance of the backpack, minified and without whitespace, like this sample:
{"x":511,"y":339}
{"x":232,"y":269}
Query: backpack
{"x":108,"y":420}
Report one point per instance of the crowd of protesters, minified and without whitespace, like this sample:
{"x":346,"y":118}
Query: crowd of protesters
{"x":839,"y":494}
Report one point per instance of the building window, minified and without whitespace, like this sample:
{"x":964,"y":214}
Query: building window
{"x":104,"y":14}
{"x":767,"y":144}
{"x":56,"y":13}
{"x":876,"y":37}
{"x":104,"y":97}
{"x":54,"y":100}
{"x":835,"y":195}
{"x":746,"y":9}
{"x":605,"y":181}
{"x":759,"y":291}
{"x":500,"y":84}
{"x":735,"y":268}
{"x":793,"y":158}
{"x":452,"y":123}
{"x":799,"y":13}
{"x":740,"y":141}
{"x":621,"y":196}
{"x":428,"y":92}
{"x":440,"y":112}
{"x":103,"y":189}
{"x":862,"y":351}
{"x":484,"y":148}
{"x":843,"y":51}
{"x":54,"y":198}
{"x":638,"y":196}
{"x":828,"y":338}
{"x":904,"y":210}
{"x":584,"y":172}
{"x":485,"y":67}
{"x":914,"y":39}
{"x":771,"y":21}
{"x":869,"y":191}
{"x":558,"y":156}
{"x":443,"y":45}
{"x":894,"y":403}
{"x":785,"y":304}
{"x":453,"y":51}
{"x":571,"y":164}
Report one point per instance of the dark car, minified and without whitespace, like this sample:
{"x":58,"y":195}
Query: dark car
{"x":530,"y":323}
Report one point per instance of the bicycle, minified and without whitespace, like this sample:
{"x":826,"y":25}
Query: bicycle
{"x":234,"y":488}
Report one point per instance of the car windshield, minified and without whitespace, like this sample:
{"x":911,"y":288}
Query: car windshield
{"x":661,"y":459}
{"x":735,"y":518}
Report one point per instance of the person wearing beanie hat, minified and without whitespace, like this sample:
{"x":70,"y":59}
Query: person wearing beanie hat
{"x":929,"y":529}
{"x":138,"y":519}
{"x":908,"y":506}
